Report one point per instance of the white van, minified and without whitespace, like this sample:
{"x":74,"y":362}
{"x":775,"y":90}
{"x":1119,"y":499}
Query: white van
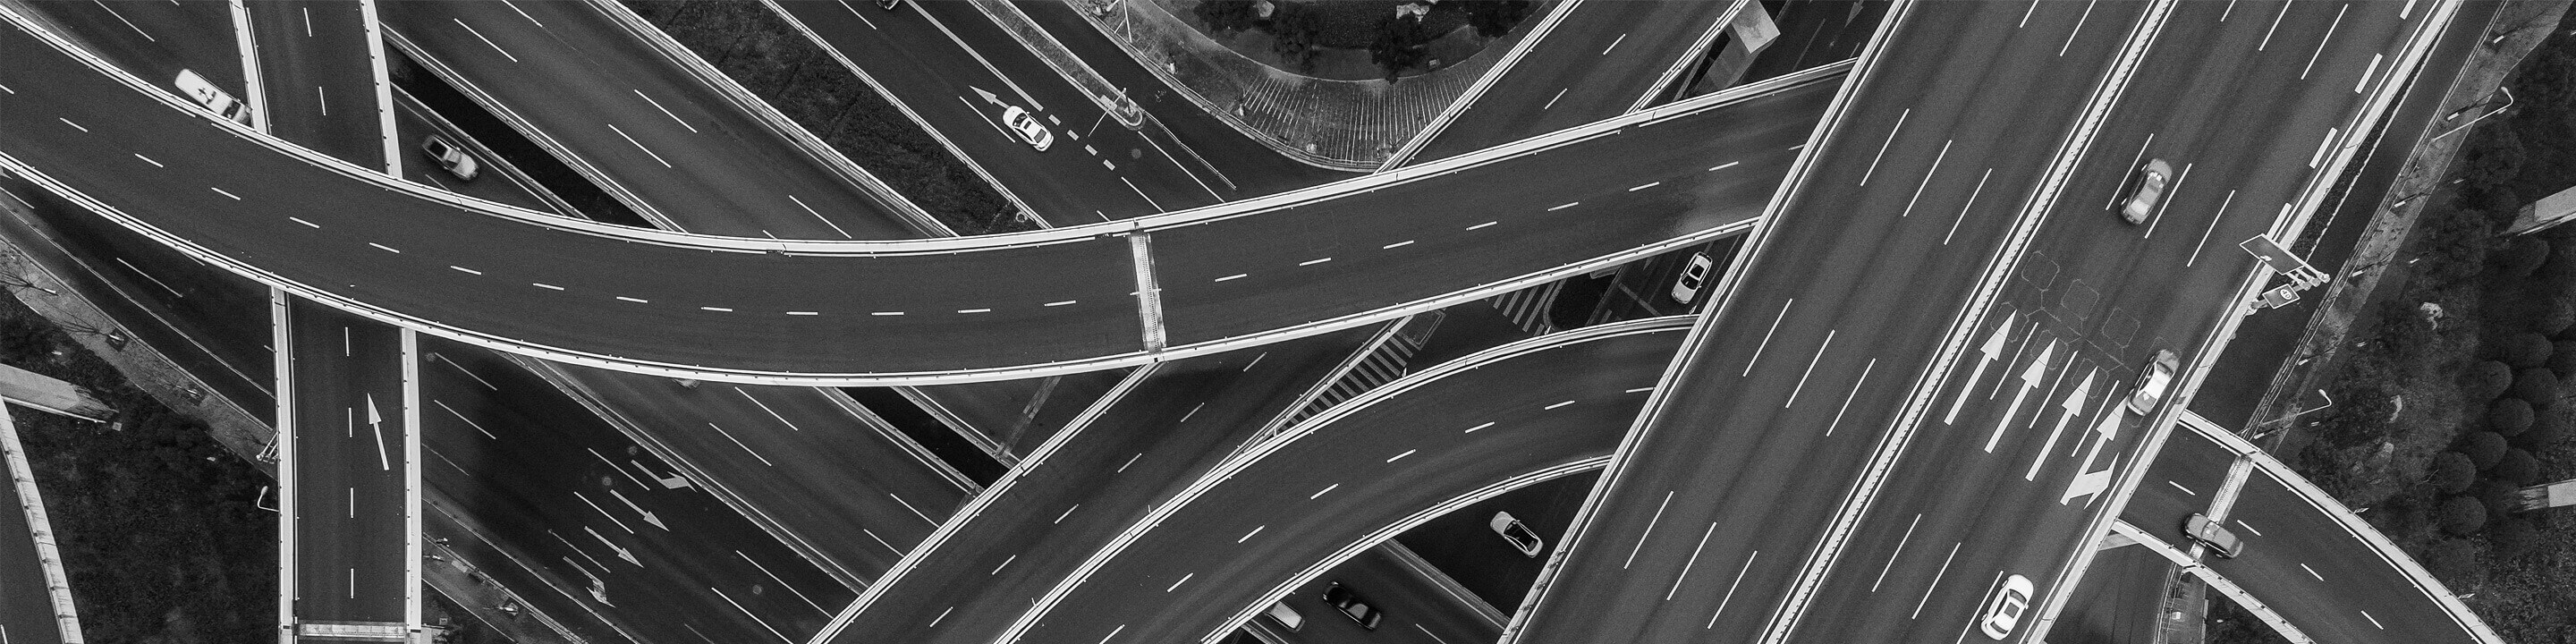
{"x":215,"y":100}
{"x":1286,"y":617}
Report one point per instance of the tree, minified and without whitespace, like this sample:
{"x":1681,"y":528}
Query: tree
{"x":2524,"y":350}
{"x":2461,"y":515}
{"x":1494,"y":18}
{"x":2451,"y":473}
{"x":2546,"y":431}
{"x":2486,"y":380}
{"x":2553,"y":315}
{"x":1402,"y":42}
{"x":2455,"y":561}
{"x":2512,"y":537}
{"x":2518,"y":468}
{"x":2509,"y":416}
{"x":2562,"y":358}
{"x":1224,"y":17}
{"x":2536,"y":385}
{"x":2518,"y":258}
{"x":1296,"y":33}
{"x":2483,"y":449}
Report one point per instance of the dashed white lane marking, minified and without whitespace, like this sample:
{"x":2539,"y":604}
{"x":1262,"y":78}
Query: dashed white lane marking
{"x":5,"y":88}
{"x":1104,"y":639}
{"x":974,"y":310}
{"x":383,"y":247}
{"x":1482,"y":225}
{"x":1614,"y":44}
{"x":1551,"y":101}
{"x":1320,"y":493}
{"x":1312,"y":262}
{"x":1569,"y":402}
{"x":220,"y":191}
{"x":1811,"y":368}
{"x":635,"y":300}
{"x":1766,"y":338}
{"x":2312,"y":572}
{"x":2374,"y":621}
{"x":1235,"y":276}
{"x":149,"y":160}
{"x":1472,"y":430}
{"x":885,"y":313}
{"x":1694,"y":560}
{"x":1631,"y":391}
{"x":1407,"y":242}
{"x":2179,"y":486}
{"x":1648,"y":185}
{"x":69,"y":122}
{"x":1067,"y":512}
{"x":2079,"y":26}
{"x":1726,"y":165}
{"x":1248,"y":535}
{"x":827,"y":221}
{"x":468,"y":270}
{"x":2248,"y":528}
{"x":479,"y":36}
{"x":1006,"y":562}
{"x":1399,"y":457}
{"x":323,"y":99}
{"x":1855,"y":393}
{"x":1650,"y":530}
{"x":803,"y":313}
{"x":942,"y":614}
{"x":1730,"y":590}
{"x":1566,"y":205}
{"x":638,"y":144}
{"x":717,"y":309}
{"x":1059,"y":303}
{"x":658,"y":105}
{"x":1882,"y":147}
{"x":544,"y":285}
{"x":1131,"y":460}
{"x":306,"y":223}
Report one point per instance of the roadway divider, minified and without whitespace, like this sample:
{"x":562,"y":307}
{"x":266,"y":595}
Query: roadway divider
{"x":902,"y":207}
{"x":1236,"y":463}
{"x":2206,"y":355}
{"x":256,"y":94}
{"x":1855,"y":73}
{"x":1149,"y":296}
{"x":2246,"y":600}
{"x":1412,"y":146}
{"x":1698,"y":49}
{"x":412,"y":528}
{"x":281,"y":340}
{"x":975,"y":507}
{"x":891,"y":98}
{"x":377,"y":64}
{"x":58,"y":586}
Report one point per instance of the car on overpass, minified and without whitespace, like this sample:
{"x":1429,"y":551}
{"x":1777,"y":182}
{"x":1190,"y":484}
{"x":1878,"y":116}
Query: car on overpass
{"x":2220,"y":541}
{"x":455,"y":160}
{"x":214,"y":100}
{"x":1341,"y":598}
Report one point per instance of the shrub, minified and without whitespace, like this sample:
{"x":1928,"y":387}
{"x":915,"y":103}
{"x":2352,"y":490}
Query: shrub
{"x":2546,"y":431}
{"x":2461,"y":515}
{"x":2561,"y":268}
{"x":2512,"y":537}
{"x":2553,"y":316}
{"x":2486,"y":380}
{"x":2518,"y":258}
{"x":2483,"y":449}
{"x":1494,"y":18}
{"x":1403,"y":43}
{"x":1297,"y":34}
{"x":2517,"y":467}
{"x":2536,"y":385}
{"x":2562,"y":358}
{"x":2508,"y":416}
{"x":1227,"y":16}
{"x":2524,"y":350}
{"x":2455,"y":561}
{"x":2451,"y":473}
{"x":2497,"y":496}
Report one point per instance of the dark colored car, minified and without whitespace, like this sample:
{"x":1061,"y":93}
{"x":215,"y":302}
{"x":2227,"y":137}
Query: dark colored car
{"x":1341,"y":598}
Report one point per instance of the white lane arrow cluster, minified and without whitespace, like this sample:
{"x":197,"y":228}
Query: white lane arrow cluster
{"x":2030,"y":379}
{"x":1993,"y":348}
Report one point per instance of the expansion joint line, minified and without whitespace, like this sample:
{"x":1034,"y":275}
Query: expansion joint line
{"x":1149,"y":297}
{"x":1864,"y":493}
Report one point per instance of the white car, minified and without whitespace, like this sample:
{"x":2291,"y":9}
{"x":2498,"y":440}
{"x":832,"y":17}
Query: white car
{"x":454,"y":159}
{"x":2151,"y":189}
{"x":1021,"y":122}
{"x":1693,"y":277}
{"x":2003,"y":611}
{"x":214,"y":100}
{"x":2153,"y":383}
{"x":1521,"y":536}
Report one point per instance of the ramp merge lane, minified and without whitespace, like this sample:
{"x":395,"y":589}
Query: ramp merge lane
{"x":873,"y":312}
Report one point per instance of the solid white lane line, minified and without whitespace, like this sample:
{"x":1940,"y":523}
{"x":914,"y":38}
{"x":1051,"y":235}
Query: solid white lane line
{"x":915,"y":511}
{"x":638,"y":144}
{"x":746,"y":448}
{"x":1399,"y":457}
{"x":1693,"y":560}
{"x":1730,"y":590}
{"x":635,"y":300}
{"x":1972,"y":203}
{"x":1177,"y":584}
{"x":1936,"y":580}
{"x":383,"y":247}
{"x":1312,"y":262}
{"x":1649,"y":185}
{"x":2167,"y":201}
{"x":1551,"y":101}
{"x":1131,"y":460}
{"x":69,"y":122}
{"x":2276,"y":25}
{"x":1614,"y":44}
{"x":2322,"y":147}
{"x":1067,"y":512}
{"x":1882,"y":147}
{"x":479,"y":36}
{"x":2321,"y":43}
{"x":1248,"y":535}
{"x":2079,"y":27}
{"x":1140,"y":192}
{"x":657,"y":105}
{"x":1006,"y":563}
{"x":2133,"y":167}
{"x":764,"y":624}
{"x":166,"y":287}
{"x":2213,"y":228}
{"x":1725,"y":165}
{"x":1472,"y":430}
{"x":149,"y":160}
{"x":827,"y":221}
{"x":478,"y":427}
{"x":2312,"y":572}
{"x":1855,"y":393}
{"x":2373,"y":68}
{"x":1407,"y":242}
{"x":1927,"y":178}
{"x":2179,"y":486}
{"x":1569,"y":402}
{"x":1892,"y":555}
{"x":1766,"y":337}
{"x":1320,"y":493}
{"x":1650,"y":529}
{"x":782,"y":583}
{"x":2248,"y":528}
{"x":129,"y":24}
{"x":1811,"y":368}
{"x":544,"y":285}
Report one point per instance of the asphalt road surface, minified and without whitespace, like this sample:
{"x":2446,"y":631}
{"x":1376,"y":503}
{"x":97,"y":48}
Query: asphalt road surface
{"x":350,"y":469}
{"x":1613,"y":52}
{"x":318,"y":78}
{"x":2118,"y":601}
{"x":680,"y":152}
{"x":835,"y":308}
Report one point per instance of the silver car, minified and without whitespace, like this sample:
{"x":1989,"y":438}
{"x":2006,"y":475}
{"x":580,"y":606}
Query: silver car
{"x":2154,"y":382}
{"x":2151,"y":190}
{"x":454,"y":159}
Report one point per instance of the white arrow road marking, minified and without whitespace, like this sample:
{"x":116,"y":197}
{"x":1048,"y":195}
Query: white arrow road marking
{"x":2074,"y":407}
{"x":2030,"y":379}
{"x":2088,"y":482}
{"x":622,"y":553}
{"x":1993,"y":347}
{"x":376,"y":421}
{"x":648,"y":516}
